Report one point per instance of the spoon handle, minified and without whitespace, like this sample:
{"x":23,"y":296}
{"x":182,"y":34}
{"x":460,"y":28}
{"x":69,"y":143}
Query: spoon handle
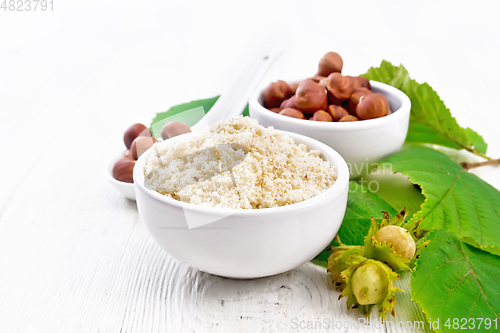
{"x":232,"y":102}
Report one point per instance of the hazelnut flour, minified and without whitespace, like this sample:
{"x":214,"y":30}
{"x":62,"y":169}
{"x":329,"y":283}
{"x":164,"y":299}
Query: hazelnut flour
{"x":275,"y":172}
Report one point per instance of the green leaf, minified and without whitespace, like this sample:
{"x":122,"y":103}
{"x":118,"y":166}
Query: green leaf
{"x":430,"y":120}
{"x":246,"y":111}
{"x":455,"y":280}
{"x":396,"y":190}
{"x":420,"y":133}
{"x":189,"y":113}
{"x":456,"y":200}
{"x":182,"y":113}
{"x":361,"y":206}
{"x":477,"y":140}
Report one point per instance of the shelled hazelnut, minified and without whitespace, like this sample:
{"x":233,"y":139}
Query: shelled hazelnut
{"x":133,"y":132}
{"x":140,"y":145}
{"x":372,"y":106}
{"x":123,"y":170}
{"x":364,"y":82}
{"x":355,"y":83}
{"x":289,"y":103}
{"x":348,"y":118}
{"x":174,"y":128}
{"x":337,"y":112}
{"x":294,"y":113}
{"x":276,"y":93}
{"x":330,"y":63}
{"x":311,"y":97}
{"x":358,"y":81}
{"x":353,"y":101}
{"x":321,"y":116}
{"x":339,"y":88}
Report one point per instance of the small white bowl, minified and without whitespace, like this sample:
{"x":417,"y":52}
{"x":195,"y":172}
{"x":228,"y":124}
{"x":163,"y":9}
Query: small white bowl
{"x":246,"y":243}
{"x":126,"y":189}
{"x":360,"y":142}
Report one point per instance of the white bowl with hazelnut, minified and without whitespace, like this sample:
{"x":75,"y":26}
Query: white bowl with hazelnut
{"x":137,"y":139}
{"x":125,"y":166}
{"x":245,"y":243}
{"x":362,"y":120}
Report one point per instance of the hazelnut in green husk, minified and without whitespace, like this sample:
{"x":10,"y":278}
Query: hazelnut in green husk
{"x":366,"y":274}
{"x":399,"y":238}
{"x":369,"y":284}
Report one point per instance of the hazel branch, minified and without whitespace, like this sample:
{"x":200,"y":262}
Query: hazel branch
{"x":468,"y":166}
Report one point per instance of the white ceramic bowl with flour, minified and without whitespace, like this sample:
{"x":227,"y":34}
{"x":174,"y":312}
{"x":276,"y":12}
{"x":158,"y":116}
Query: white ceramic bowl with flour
{"x":246,"y":243}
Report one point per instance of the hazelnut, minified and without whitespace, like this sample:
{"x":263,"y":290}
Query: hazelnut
{"x":372,"y":106}
{"x":364,"y":82}
{"x":311,"y":97}
{"x":337,"y":112}
{"x":289,"y":103}
{"x":275,"y":110}
{"x":294,"y":113}
{"x":321,"y":116}
{"x":353,"y":100}
{"x":174,"y":128}
{"x":293,"y":86}
{"x":330,"y":63}
{"x":339,"y":88}
{"x":140,"y":145}
{"x":355,"y":83}
{"x":133,"y":132}
{"x":123,"y":170}
{"x":276,"y":93}
{"x":358,"y":82}
{"x":399,"y":238}
{"x":348,"y":117}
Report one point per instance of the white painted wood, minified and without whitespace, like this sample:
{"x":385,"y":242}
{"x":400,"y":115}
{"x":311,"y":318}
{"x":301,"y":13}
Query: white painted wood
{"x":74,"y":255}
